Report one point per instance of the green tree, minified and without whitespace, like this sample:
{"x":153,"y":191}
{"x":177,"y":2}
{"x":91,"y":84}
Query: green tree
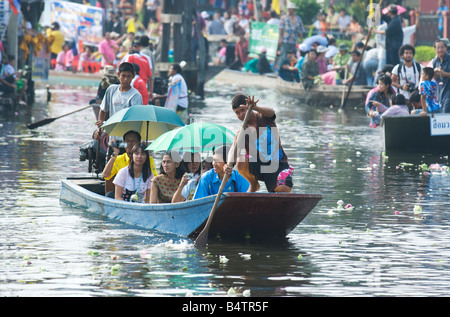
{"x":307,"y":10}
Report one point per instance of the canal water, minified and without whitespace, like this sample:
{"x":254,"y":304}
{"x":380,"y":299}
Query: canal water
{"x":392,"y":241}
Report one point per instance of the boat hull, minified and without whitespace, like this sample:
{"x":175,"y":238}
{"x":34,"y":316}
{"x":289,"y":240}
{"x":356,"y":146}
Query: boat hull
{"x":238,"y":215}
{"x":412,"y":134}
{"x":260,"y":216}
{"x":180,"y":219}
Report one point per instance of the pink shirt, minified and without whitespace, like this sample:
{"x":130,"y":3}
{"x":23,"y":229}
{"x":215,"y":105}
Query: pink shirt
{"x":106,"y":49}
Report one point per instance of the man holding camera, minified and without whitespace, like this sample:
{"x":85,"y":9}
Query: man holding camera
{"x":406,"y":75}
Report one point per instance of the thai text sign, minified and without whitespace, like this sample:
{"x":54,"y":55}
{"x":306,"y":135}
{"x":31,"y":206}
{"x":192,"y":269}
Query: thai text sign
{"x":78,"y":21}
{"x":440,"y":124}
{"x":263,"y":35}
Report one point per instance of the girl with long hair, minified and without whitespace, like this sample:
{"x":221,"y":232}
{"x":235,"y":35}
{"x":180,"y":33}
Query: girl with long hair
{"x":133,"y":183}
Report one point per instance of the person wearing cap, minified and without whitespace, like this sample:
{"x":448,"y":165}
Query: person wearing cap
{"x":291,"y":30}
{"x":340,"y":61}
{"x":321,"y":60}
{"x":56,"y":39}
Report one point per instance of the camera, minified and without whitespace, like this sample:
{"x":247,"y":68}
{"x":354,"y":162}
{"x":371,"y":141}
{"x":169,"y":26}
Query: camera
{"x":411,"y":87}
{"x":88,"y":152}
{"x":189,"y":175}
{"x":119,"y":144}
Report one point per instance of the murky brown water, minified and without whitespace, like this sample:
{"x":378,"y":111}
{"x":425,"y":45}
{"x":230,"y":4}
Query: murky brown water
{"x":380,"y":248}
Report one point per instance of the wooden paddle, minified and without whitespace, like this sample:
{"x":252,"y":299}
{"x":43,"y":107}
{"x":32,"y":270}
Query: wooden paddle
{"x":343,"y":90}
{"x":202,"y":239}
{"x":362,"y":55}
{"x":50,"y":120}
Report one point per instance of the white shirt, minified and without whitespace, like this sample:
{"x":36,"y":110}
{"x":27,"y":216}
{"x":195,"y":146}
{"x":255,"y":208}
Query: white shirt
{"x":115,"y":100}
{"x":407,"y":74}
{"x":183,"y":100}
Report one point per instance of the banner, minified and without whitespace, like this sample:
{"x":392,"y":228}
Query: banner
{"x":78,"y":21}
{"x":263,"y":35}
{"x":440,"y":124}
{"x":172,"y":96}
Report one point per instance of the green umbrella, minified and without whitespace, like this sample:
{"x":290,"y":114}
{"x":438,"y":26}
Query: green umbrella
{"x":149,"y":121}
{"x":195,"y":137}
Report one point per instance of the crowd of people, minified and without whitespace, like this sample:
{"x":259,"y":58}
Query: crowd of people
{"x":400,"y":86}
{"x":384,"y":62}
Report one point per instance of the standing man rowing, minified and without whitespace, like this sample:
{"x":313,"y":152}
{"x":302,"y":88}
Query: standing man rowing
{"x":261,"y":158}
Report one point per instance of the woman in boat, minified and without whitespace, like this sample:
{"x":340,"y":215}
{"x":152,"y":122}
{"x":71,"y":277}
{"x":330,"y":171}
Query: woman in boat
{"x":379,"y":100}
{"x":166,"y":184}
{"x":189,"y":183}
{"x":133,"y":182}
{"x":398,"y":106}
{"x":192,"y":163}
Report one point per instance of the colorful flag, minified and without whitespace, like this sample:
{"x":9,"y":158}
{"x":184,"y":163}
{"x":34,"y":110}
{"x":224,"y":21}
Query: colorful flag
{"x":276,"y":6}
{"x":15,"y":5}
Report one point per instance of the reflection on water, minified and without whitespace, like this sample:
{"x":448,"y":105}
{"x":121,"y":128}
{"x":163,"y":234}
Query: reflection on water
{"x":384,"y":245}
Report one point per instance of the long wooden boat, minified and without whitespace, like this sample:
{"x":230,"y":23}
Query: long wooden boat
{"x":238,"y":216}
{"x":412,"y":134}
{"x":323,"y":95}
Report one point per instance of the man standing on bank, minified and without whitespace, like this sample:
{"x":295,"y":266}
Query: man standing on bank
{"x":261,"y":157}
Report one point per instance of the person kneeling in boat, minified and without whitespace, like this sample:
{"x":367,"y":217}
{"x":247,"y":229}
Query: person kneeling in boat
{"x":118,"y":161}
{"x":165,"y":185}
{"x":263,"y":157}
{"x":210,"y":181}
{"x":133,"y":182}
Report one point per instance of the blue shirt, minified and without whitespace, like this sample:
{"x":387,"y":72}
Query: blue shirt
{"x":209,"y":184}
{"x":428,"y":89}
{"x":443,"y":87}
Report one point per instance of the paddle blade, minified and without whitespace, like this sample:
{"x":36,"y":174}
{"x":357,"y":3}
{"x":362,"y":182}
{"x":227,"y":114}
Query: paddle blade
{"x":40,"y":123}
{"x":202,"y":239}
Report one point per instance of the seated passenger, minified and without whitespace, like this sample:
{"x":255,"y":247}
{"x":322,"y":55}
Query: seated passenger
{"x":379,"y":100}
{"x":358,"y":75}
{"x":166,"y":184}
{"x":288,"y":71}
{"x":398,"y":107}
{"x":8,"y":76}
{"x":188,"y":185}
{"x":210,"y":182}
{"x":119,"y":161}
{"x":192,"y":163}
{"x":416,"y":103}
{"x":133,"y":182}
{"x":310,"y":69}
